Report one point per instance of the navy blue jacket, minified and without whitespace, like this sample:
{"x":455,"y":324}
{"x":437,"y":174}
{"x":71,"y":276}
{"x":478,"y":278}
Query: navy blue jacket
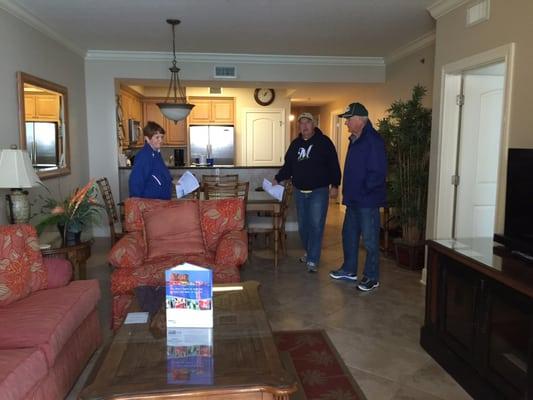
{"x":311,"y":163}
{"x":365,"y":171}
{"x":149,"y":176}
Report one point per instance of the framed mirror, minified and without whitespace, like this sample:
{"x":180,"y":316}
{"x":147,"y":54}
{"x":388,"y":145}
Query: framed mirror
{"x":43,"y":125}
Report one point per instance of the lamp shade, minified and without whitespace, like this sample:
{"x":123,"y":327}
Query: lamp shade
{"x":16,"y":170}
{"x":175,"y":111}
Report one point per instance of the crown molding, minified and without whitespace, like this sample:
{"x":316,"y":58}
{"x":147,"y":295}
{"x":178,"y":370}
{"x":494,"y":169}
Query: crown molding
{"x":412,"y":47}
{"x":443,"y":7}
{"x":24,"y":15}
{"x":229,"y":58}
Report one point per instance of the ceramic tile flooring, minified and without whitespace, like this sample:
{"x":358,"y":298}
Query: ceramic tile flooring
{"x":377,"y":333}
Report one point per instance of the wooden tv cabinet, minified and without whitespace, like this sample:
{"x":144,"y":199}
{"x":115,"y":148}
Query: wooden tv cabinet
{"x":479,"y":317}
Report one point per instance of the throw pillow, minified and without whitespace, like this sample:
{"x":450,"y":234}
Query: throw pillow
{"x":173,"y":230}
{"x":21,"y":263}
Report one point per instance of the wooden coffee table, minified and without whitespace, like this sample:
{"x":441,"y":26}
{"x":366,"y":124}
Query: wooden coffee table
{"x":245,"y":364}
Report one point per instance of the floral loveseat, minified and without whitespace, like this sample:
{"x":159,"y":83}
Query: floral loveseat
{"x":49,"y":326}
{"x":161,"y":234}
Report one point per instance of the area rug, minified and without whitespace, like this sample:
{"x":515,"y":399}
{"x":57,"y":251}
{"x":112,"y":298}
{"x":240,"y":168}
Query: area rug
{"x":321,"y":373}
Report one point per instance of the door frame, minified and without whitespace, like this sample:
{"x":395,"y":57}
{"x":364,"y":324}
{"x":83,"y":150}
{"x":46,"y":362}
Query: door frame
{"x":284,"y":124}
{"x":447,"y":143}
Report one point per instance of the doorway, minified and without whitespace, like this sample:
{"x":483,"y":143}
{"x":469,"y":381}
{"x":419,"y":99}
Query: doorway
{"x":265,"y":137}
{"x":473,"y":145}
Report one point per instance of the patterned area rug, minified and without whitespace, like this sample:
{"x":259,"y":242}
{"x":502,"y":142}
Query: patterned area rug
{"x":321,"y":373}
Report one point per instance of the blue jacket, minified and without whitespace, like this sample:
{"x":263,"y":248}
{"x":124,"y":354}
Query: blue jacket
{"x":365,"y":171}
{"x":149,"y":176}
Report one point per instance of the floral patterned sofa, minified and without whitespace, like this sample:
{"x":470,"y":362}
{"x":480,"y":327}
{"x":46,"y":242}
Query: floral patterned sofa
{"x":140,"y":260}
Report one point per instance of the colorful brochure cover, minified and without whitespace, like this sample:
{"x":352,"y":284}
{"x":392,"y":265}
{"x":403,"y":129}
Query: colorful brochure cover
{"x":189,"y":296}
{"x":190,"y":356}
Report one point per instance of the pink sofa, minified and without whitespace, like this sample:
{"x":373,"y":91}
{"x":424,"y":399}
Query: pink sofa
{"x":49,"y":326}
{"x":208,"y":233}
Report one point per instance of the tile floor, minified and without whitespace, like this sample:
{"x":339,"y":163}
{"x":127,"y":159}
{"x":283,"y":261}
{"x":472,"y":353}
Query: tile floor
{"x":377,"y":333}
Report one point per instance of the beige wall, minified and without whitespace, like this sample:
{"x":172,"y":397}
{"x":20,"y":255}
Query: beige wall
{"x":401,"y":77}
{"x":510,"y":21}
{"x":25,"y":49}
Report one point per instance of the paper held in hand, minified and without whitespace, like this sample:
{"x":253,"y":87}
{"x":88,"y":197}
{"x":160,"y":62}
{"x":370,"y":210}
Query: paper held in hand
{"x":186,"y":184}
{"x":275,"y":191}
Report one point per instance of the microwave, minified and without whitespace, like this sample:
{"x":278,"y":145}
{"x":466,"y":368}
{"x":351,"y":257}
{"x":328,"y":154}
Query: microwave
{"x":134,"y":130}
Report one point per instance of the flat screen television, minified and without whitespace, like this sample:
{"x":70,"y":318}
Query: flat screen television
{"x":518,"y":230}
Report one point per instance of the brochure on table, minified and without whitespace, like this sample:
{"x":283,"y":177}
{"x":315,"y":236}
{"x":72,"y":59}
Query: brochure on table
{"x":189,"y":296}
{"x":275,"y":191}
{"x":190,"y":356}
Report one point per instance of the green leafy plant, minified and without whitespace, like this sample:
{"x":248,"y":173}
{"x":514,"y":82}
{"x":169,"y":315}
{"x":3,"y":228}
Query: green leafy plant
{"x":407,"y":134}
{"x":74,"y":213}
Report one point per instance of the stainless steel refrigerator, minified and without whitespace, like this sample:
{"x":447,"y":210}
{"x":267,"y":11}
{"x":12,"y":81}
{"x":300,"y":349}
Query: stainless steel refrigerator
{"x":217,"y":139}
{"x":41,"y":143}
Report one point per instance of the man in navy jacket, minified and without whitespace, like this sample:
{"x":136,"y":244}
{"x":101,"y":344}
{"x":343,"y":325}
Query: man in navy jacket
{"x":364,"y":192}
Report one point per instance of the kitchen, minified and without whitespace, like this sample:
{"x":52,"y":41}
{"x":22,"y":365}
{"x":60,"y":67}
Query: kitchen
{"x":245,"y":130}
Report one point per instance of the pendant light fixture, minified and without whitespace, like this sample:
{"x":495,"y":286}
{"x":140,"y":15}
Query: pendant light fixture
{"x":176,"y":108}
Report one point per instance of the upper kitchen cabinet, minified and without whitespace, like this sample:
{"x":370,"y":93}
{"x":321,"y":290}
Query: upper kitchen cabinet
{"x":131,"y":110}
{"x":176,"y":134}
{"x":212,"y":111}
{"x":41,"y":107}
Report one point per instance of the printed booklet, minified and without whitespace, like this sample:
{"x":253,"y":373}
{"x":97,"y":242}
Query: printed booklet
{"x":189,"y":296}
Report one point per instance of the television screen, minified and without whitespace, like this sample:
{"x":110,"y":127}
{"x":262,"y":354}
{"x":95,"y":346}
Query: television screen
{"x":519,"y":199}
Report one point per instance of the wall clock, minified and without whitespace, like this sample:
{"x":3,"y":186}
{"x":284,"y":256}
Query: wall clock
{"x":264,"y":97}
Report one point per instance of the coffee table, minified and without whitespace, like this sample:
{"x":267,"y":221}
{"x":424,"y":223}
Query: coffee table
{"x":245,"y":361}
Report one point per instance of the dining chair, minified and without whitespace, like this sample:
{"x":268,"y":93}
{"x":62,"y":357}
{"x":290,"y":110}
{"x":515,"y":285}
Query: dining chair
{"x":212,"y":179}
{"x":272,"y":225}
{"x":110,"y":208}
{"x":226,"y":190}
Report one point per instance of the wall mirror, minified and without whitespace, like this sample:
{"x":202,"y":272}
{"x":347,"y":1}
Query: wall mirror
{"x":43,"y":125}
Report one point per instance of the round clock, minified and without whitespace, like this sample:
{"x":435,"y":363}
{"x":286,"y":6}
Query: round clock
{"x":264,"y":97}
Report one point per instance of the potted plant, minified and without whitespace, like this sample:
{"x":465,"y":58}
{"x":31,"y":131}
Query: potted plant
{"x":407,"y":133}
{"x":72,"y":214}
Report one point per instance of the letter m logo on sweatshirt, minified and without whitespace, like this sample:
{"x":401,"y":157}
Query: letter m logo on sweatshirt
{"x":304,"y":154}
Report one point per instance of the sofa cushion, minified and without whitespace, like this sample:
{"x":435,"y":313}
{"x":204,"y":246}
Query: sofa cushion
{"x":59,"y":272}
{"x":173,"y":231}
{"x":134,"y":208}
{"x":20,"y":371}
{"x":21,"y":263}
{"x":219,"y":217}
{"x":47,"y":318}
{"x":128,"y":252}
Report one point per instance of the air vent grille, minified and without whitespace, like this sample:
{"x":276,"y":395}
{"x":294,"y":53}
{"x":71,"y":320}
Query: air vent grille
{"x":479,"y":12}
{"x":225,"y":72}
{"x":215,"y":90}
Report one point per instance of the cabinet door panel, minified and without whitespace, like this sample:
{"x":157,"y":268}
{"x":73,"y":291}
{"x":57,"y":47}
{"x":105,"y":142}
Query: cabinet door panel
{"x":460,"y":292}
{"x":176,"y":133}
{"x":201,"y":113}
{"x":222,"y":111}
{"x":29,"y":106}
{"x":508,"y":325}
{"x":152,"y":113}
{"x":47,"y":107}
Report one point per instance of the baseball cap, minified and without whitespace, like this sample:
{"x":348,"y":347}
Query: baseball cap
{"x":307,"y":115}
{"x":353,"y":110}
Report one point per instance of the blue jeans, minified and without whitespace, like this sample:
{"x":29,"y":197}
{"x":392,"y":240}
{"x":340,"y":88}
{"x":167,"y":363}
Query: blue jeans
{"x":361,"y":221}
{"x":312,"y":209}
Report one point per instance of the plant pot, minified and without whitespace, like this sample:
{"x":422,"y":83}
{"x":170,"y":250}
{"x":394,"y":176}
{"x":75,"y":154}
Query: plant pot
{"x":69,"y":238}
{"x":409,"y":255}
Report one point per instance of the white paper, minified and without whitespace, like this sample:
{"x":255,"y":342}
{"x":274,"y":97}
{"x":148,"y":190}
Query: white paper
{"x":136,"y":318}
{"x":275,"y":191}
{"x":186,"y":184}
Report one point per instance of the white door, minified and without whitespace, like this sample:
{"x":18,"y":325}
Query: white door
{"x":265,"y":136}
{"x":479,"y":150}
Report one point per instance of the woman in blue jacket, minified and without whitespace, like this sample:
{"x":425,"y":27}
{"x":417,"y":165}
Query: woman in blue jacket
{"x":150,"y":177}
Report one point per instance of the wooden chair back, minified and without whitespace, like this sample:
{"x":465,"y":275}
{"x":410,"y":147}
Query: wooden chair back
{"x":110,"y":208}
{"x":212,"y":179}
{"x":226,"y":190}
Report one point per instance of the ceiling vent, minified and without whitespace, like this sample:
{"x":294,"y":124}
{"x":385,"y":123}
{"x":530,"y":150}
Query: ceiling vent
{"x":225,"y":72}
{"x":215,"y":90}
{"x":477,"y":13}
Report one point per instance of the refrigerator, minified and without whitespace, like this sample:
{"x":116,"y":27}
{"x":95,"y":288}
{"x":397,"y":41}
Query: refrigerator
{"x":217,"y":139}
{"x":42,"y":143}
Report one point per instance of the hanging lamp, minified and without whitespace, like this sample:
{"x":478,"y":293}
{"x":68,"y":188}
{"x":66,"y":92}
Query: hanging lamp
{"x":176,"y":108}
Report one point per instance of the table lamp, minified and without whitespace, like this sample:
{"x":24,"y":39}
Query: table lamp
{"x":17,"y":173}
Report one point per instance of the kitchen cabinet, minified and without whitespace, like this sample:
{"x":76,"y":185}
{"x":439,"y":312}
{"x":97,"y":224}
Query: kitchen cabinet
{"x":212,"y":111}
{"x":41,"y":107}
{"x":176,"y":134}
{"x":131,"y":109}
{"x":479,"y":319}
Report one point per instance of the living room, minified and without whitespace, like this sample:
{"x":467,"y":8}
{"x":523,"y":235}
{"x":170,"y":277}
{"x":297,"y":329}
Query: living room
{"x":33,"y":41}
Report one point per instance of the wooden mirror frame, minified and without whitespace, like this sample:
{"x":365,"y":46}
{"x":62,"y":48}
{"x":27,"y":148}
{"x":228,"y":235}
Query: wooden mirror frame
{"x":23,"y":78}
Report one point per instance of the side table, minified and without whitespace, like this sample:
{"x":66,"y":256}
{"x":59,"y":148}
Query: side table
{"x":77,"y":254}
